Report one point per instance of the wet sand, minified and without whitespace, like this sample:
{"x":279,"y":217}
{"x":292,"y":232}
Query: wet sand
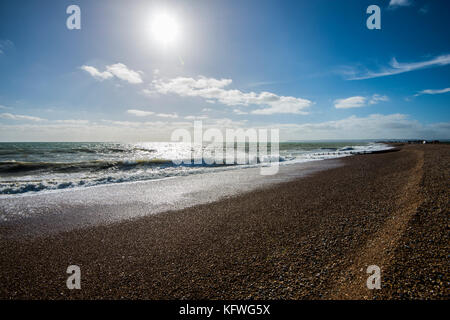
{"x":309,"y":238}
{"x":44,"y":213}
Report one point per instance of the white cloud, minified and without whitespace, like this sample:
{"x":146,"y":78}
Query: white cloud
{"x":143,"y":113}
{"x":11,"y":116}
{"x":213,"y":90}
{"x":97,"y":74}
{"x":140,"y":113}
{"x":399,"y":3}
{"x":118,"y":70}
{"x":375,"y":126}
{"x":358,"y":101}
{"x":240,"y":112}
{"x":104,"y":131}
{"x":122,"y":72}
{"x":377,"y":98}
{"x":72,"y":122}
{"x":352,"y":102}
{"x":206,"y":110}
{"x":18,"y":117}
{"x":431,"y":91}
{"x":125,"y":124}
{"x":396,"y":68}
{"x":283,"y":105}
{"x":203,"y":117}
{"x":167,"y":115}
{"x":226,"y":123}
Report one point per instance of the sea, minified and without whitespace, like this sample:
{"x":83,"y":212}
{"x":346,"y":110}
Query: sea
{"x":36,"y":167}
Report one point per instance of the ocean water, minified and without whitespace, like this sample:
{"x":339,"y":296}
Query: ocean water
{"x":39,"y":167}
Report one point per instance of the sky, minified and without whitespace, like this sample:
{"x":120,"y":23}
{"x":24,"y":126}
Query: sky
{"x":138,"y":70}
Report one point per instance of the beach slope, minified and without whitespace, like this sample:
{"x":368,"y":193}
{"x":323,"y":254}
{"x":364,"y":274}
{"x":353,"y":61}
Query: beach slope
{"x":309,"y":238}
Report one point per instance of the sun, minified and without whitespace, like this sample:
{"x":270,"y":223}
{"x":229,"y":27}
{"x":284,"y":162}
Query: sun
{"x":165,"y":28}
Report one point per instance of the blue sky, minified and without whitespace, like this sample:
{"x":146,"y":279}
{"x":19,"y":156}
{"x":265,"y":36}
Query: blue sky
{"x":310,"y":68}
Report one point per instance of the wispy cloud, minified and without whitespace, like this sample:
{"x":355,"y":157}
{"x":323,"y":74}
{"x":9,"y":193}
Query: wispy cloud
{"x":118,"y":70}
{"x":399,"y":3}
{"x":239,"y":111}
{"x":351,"y":102}
{"x":358,"y":101}
{"x":378,"y":98}
{"x":261,"y":83}
{"x":144,"y":113}
{"x":424,"y":9}
{"x":5,"y":45}
{"x":202,"y":117}
{"x":374,"y":126}
{"x":97,"y":74}
{"x":73,"y":122}
{"x":20,"y":117}
{"x":167,"y":115}
{"x":140,"y":113}
{"x":214,"y":90}
{"x":11,"y":116}
{"x":432,"y":91}
{"x":396,"y":68}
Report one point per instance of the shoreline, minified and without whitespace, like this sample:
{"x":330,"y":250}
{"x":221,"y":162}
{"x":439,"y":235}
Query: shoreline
{"x":306,"y":238}
{"x":52,"y":212}
{"x":47,"y":175}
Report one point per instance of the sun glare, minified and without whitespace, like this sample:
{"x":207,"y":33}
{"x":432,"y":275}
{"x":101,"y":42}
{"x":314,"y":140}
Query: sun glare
{"x":165,"y":28}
